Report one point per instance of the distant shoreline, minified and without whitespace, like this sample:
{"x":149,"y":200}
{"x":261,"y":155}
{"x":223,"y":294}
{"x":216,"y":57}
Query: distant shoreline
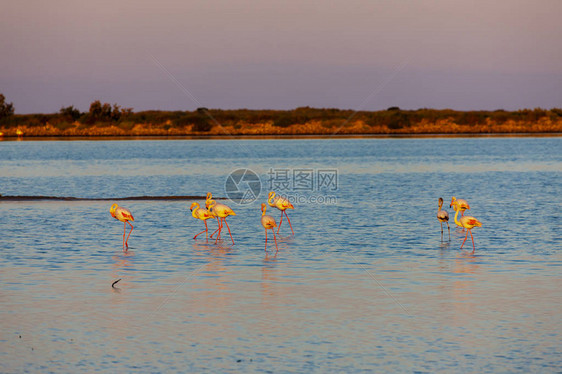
{"x":288,"y":136}
{"x":105,"y":121}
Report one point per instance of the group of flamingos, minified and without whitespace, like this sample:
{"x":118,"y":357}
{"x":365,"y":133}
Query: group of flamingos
{"x":218,"y":211}
{"x":466,"y":222}
{"x":221,"y":211}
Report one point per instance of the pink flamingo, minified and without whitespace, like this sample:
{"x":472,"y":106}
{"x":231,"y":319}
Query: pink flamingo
{"x":125,"y":216}
{"x":443,"y":216}
{"x":209,"y":208}
{"x":201,"y":214}
{"x":468,"y":223}
{"x":282,"y":204}
{"x":268,"y":222}
{"x":461,"y":203}
{"x":222,"y":211}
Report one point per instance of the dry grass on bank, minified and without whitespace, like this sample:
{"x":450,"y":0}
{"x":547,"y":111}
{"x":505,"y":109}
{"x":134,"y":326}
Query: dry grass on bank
{"x":332,"y":126}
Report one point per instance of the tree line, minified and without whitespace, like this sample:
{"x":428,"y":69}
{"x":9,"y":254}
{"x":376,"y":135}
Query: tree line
{"x":203,"y":119}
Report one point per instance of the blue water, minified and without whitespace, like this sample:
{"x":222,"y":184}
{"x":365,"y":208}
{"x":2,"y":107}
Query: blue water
{"x":366,"y":283}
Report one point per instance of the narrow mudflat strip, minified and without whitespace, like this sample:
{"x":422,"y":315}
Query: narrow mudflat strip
{"x":70,"y":198}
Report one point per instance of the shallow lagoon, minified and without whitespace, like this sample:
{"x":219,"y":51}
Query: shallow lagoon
{"x":365,"y":284}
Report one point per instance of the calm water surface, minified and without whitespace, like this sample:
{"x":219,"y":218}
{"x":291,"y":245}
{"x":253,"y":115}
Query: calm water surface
{"x":366,"y":284}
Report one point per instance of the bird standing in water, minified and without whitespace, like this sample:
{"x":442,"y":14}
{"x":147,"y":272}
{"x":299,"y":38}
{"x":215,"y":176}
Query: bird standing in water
{"x":268,"y":222}
{"x":468,"y":223}
{"x":282,"y":204}
{"x":443,"y":216}
{"x":125,"y":216}
{"x":201,"y":214}
{"x":221,"y":211}
{"x":208,"y":207}
{"x":460,"y":203}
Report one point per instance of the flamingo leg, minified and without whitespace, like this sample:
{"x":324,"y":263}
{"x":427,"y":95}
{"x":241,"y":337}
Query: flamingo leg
{"x":274,"y":238}
{"x":214,"y":232}
{"x":473,"y":247}
{"x":441,"y":230}
{"x":465,"y":238}
{"x":448,"y":229}
{"x":124,"y":231}
{"x":229,"y":230}
{"x":265,"y":240}
{"x":280,"y":222}
{"x":218,"y":223}
{"x":126,"y":241}
{"x":219,"y":231}
{"x":289,"y":222}
{"x":202,"y":231}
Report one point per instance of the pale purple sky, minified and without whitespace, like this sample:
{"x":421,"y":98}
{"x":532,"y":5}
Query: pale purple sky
{"x":262,"y":54}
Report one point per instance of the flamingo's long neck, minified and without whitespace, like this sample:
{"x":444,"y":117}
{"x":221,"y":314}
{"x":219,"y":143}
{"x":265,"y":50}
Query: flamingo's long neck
{"x":194,"y":211}
{"x":456,"y":214}
{"x":271,"y":198}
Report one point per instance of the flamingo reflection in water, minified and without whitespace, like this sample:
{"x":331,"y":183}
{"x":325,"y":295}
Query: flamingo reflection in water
{"x":121,"y":263}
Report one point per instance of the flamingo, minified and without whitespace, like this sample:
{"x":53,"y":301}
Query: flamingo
{"x":443,"y":216}
{"x":268,"y":222}
{"x":222,"y":211}
{"x":124,"y":215}
{"x":282,"y":204}
{"x":209,"y":208}
{"x":208,"y":200}
{"x":467,"y":222}
{"x":201,"y":214}
{"x":461,"y":203}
